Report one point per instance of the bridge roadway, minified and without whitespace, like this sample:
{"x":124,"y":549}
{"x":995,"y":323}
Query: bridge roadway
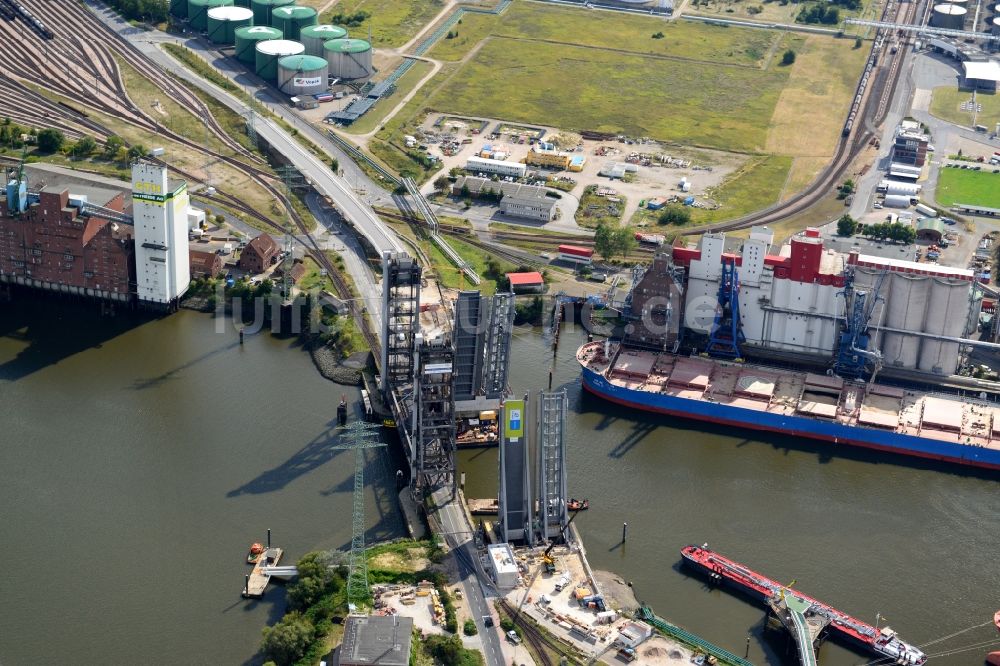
{"x":319,"y":173}
{"x":803,"y":636}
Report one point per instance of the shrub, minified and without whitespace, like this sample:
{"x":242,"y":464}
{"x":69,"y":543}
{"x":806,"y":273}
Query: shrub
{"x":469,"y":628}
{"x":788,"y":58}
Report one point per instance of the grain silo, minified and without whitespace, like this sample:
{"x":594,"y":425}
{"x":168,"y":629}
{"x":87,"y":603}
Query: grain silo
{"x":247,"y":39}
{"x":270,"y":52}
{"x":349,"y":58}
{"x":907,"y":306}
{"x":314,"y":36}
{"x":179,"y":8}
{"x":302,"y":75}
{"x":223,"y":22}
{"x":948,"y":16}
{"x":262,"y":9}
{"x":946,"y":316}
{"x":198,"y":12}
{"x":290,"y":20}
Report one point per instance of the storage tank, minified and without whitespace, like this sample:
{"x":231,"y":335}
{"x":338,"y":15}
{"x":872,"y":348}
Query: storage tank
{"x":302,"y":75}
{"x":224,"y":21}
{"x":179,"y":8}
{"x":907,"y":306}
{"x":896,"y":201}
{"x":243,"y":3}
{"x":899,"y":187}
{"x":248,"y":38}
{"x":198,"y":12}
{"x":314,"y":36}
{"x":290,"y":20}
{"x":270,"y":52}
{"x":946,"y":316}
{"x":949,"y":16}
{"x":262,"y":9}
{"x":995,"y":25}
{"x":349,"y":58}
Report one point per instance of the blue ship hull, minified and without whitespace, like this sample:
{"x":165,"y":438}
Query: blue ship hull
{"x":798,"y":426}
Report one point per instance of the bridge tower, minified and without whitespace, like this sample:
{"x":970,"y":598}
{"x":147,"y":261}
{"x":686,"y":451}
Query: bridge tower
{"x":434,"y":416}
{"x":400,"y":318}
{"x":551,"y":446}
{"x":358,"y":436}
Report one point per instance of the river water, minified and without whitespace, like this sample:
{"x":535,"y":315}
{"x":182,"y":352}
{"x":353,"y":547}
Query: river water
{"x":864,"y":532}
{"x":139,"y":458}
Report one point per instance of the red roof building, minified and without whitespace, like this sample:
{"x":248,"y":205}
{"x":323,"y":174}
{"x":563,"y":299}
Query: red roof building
{"x":205,"y":264}
{"x":526,"y":282}
{"x":576,"y":254}
{"x":259,"y":254}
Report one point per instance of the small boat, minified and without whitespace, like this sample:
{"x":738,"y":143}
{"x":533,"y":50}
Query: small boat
{"x":996,"y":620}
{"x":578,"y":505}
{"x":254,"y":554}
{"x":993,"y":659}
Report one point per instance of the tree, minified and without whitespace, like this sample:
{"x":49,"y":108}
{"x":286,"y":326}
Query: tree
{"x":846,"y":226}
{"x":441,"y":184}
{"x":84,"y":147}
{"x":50,"y":140}
{"x":678,"y":215}
{"x":469,"y":627}
{"x":847,"y":187}
{"x":624,"y":241}
{"x":287,"y":641}
{"x":315,"y":580}
{"x":335,"y":164}
{"x":112,"y":147}
{"x":135,"y":152}
{"x":604,"y":241}
{"x":788,"y":58}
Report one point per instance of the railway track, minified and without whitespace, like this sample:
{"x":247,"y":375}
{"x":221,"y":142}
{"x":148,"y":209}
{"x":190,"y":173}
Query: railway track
{"x":531,"y":634}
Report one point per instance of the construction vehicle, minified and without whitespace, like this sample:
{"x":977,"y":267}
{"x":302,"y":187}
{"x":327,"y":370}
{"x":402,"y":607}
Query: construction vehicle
{"x":547,"y":559}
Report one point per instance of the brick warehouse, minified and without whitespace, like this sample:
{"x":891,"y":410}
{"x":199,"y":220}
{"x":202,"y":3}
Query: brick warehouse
{"x":87,"y":241}
{"x":52,"y":246}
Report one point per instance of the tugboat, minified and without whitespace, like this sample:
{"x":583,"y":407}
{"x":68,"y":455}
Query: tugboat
{"x":255,"y":553}
{"x":993,"y":658}
{"x":578,"y":505}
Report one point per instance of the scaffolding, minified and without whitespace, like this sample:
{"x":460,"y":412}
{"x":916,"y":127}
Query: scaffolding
{"x":552,"y":515}
{"x":434,"y":411}
{"x":496,"y":362}
{"x":400,"y":318}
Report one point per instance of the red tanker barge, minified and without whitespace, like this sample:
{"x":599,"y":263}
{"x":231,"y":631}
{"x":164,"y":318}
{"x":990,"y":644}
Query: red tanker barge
{"x":883,"y":642}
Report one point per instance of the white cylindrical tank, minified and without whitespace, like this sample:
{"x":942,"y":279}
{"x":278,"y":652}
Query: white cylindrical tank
{"x":946,"y":316}
{"x":268,"y":54}
{"x":896,"y":201}
{"x":349,"y":58}
{"x":948,"y":16}
{"x":995,"y":25}
{"x":907,"y":305}
{"x":302,"y":75}
{"x":899,"y":187}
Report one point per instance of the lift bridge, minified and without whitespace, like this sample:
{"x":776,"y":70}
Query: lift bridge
{"x":427,"y":380}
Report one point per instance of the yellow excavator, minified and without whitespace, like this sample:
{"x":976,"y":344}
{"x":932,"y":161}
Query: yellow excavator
{"x":547,"y":559}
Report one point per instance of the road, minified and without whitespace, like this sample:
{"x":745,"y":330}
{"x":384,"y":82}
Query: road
{"x":317,"y":171}
{"x":476,"y":585}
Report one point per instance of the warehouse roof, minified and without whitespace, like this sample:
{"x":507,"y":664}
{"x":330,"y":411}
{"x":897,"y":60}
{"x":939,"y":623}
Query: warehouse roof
{"x":983,"y":71}
{"x":532,"y":279}
{"x":931,"y":223}
{"x":378,"y":640}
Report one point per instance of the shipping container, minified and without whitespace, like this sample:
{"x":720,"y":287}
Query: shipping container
{"x":926,"y":210}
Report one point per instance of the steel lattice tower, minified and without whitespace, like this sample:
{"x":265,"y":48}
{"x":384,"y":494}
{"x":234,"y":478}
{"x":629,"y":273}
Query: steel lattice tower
{"x":359,"y":436}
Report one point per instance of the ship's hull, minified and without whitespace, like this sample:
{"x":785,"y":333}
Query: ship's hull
{"x":797,"y":426}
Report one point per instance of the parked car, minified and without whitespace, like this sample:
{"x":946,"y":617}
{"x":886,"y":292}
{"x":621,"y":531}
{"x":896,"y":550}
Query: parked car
{"x":598,"y":277}
{"x":513,"y":637}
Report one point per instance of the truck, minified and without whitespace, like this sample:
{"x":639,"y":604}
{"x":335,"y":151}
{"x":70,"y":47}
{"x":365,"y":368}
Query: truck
{"x":562,"y":582}
{"x":926,"y":210}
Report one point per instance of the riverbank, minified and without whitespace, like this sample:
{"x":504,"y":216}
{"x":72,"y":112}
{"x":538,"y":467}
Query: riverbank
{"x":346,"y":371}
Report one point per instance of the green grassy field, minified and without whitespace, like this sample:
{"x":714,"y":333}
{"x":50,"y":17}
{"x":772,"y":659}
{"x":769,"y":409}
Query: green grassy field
{"x":946,"y":101}
{"x":692,"y":103}
{"x":970,"y":187}
{"x":393,"y":22}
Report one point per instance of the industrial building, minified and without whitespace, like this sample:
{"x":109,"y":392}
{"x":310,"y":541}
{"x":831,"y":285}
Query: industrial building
{"x":909,"y":147}
{"x":204,"y":264}
{"x":503,"y":566}
{"x":313,"y":37}
{"x":530,"y":282}
{"x":794,"y":301}
{"x":302,"y":75}
{"x":981,"y":75}
{"x":223,"y":22}
{"x":160,"y":219}
{"x":259,"y":254}
{"x":547,"y":158}
{"x":375,"y":640}
{"x":528,"y":202}
{"x":499,"y":167}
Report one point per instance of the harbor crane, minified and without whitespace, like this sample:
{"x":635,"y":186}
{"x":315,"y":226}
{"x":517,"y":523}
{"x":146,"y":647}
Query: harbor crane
{"x":854,"y":358}
{"x":727,"y":333}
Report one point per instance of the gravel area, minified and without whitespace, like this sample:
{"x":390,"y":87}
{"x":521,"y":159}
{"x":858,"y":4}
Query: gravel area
{"x":346,"y":371}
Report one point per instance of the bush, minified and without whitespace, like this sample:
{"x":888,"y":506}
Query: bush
{"x":788,"y":58}
{"x":287,"y":641}
{"x":50,"y":140}
{"x":847,"y":226}
{"x":678,"y":215}
{"x":469,"y":628}
{"x":657,"y":35}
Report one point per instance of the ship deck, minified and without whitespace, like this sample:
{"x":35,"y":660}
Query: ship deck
{"x":945,"y":418}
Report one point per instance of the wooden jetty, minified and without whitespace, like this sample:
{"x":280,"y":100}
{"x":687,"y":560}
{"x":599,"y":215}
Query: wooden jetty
{"x":257,"y":581}
{"x":484,"y":507}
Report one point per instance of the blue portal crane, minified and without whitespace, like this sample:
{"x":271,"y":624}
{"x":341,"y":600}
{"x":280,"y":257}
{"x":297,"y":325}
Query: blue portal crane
{"x":727,"y":331}
{"x":854,"y":358}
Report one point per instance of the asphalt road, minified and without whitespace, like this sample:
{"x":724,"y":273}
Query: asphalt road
{"x":476,"y":585}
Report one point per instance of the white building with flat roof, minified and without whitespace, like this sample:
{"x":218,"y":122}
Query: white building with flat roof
{"x":504,"y":566}
{"x":499,"y":167}
{"x":160,"y":214}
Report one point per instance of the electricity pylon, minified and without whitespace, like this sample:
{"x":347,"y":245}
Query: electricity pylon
{"x":358,"y":436}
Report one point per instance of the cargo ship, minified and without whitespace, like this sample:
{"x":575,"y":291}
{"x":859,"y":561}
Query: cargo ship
{"x":823,"y":407}
{"x":880,"y":641}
